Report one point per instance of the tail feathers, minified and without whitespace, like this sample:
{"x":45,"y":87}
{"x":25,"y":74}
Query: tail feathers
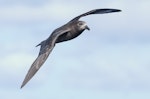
{"x":40,"y":44}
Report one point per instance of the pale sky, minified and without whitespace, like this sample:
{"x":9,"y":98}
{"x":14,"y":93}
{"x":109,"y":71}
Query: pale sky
{"x":111,"y":61}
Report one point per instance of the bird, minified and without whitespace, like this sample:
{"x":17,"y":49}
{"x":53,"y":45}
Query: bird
{"x":69,"y":31}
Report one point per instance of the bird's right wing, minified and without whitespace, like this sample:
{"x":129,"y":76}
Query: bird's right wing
{"x":96,"y":11}
{"x":46,"y":48}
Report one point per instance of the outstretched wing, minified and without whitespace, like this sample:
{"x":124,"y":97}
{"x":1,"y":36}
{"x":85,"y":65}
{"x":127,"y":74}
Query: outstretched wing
{"x":96,"y":11}
{"x":46,"y":48}
{"x":37,"y":64}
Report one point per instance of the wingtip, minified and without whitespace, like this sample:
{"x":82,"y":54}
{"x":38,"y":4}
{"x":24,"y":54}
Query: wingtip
{"x":23,"y":84}
{"x":116,"y":10}
{"x":21,"y":87}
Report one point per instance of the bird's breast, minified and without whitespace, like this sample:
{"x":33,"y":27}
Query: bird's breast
{"x":68,"y":36}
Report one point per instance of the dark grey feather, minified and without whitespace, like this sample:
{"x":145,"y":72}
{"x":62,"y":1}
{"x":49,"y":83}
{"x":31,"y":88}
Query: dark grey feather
{"x":66,"y":32}
{"x":96,"y":11}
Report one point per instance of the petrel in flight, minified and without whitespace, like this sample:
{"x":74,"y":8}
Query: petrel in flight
{"x":64,"y":33}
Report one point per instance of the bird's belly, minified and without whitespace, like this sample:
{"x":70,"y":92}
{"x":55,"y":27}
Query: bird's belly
{"x":67,"y":36}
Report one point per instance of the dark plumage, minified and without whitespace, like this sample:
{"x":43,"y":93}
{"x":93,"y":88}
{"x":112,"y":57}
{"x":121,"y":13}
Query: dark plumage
{"x":66,"y":32}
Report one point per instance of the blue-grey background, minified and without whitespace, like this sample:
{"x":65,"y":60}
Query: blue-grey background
{"x":112,"y":61}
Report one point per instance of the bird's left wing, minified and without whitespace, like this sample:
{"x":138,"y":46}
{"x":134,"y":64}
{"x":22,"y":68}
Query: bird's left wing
{"x":96,"y":11}
{"x":46,"y":48}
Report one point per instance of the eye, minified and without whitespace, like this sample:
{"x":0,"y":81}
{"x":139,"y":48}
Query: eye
{"x":80,"y":23}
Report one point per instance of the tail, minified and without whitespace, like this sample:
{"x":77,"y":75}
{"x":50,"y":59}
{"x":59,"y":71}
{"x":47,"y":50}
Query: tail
{"x":40,"y":44}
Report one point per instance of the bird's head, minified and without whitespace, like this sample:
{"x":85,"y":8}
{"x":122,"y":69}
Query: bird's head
{"x":82,"y":25}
